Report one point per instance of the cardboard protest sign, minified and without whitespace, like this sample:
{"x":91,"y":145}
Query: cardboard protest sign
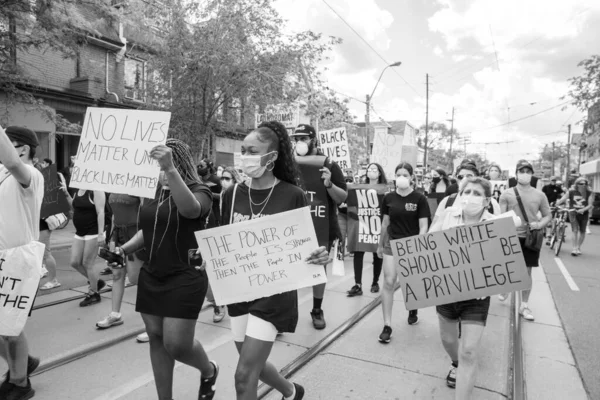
{"x":20,"y":273}
{"x":364,"y":216}
{"x":461,"y":263}
{"x":260,"y":257}
{"x":55,"y":200}
{"x":114,"y":151}
{"x":316,"y":194}
{"x":498,"y":187}
{"x":334,"y":144}
{"x":387,"y":150}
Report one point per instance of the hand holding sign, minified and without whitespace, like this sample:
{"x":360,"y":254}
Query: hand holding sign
{"x":326,"y":176}
{"x":164,"y":156}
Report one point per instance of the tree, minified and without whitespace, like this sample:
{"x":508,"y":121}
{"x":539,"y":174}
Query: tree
{"x":585,"y":89}
{"x":329,"y":110}
{"x":438,"y":135}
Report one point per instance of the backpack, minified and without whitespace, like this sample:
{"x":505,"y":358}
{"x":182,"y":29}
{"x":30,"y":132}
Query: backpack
{"x":453,"y":196}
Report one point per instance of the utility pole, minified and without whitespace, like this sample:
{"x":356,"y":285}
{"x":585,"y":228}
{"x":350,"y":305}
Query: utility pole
{"x":451,"y":137}
{"x":552,"y":158}
{"x":426,"y":122}
{"x":367,"y":124}
{"x":568,"y":156}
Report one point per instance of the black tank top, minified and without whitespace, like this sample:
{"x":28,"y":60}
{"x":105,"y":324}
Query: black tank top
{"x":85,"y":217}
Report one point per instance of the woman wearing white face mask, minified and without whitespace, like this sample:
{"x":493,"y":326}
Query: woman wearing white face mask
{"x":472,"y":314}
{"x":267,"y":159}
{"x":405,"y":213}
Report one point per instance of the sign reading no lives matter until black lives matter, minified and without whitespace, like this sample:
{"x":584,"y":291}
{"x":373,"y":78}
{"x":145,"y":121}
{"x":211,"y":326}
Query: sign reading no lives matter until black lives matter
{"x":114,"y":151}
{"x":260,"y":257}
{"x":461,"y":263}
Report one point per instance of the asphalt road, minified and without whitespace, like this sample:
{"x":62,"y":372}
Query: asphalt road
{"x":579,"y":310}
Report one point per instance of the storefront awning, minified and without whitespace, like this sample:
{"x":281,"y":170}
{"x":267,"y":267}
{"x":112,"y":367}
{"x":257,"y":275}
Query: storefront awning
{"x":590,"y":167}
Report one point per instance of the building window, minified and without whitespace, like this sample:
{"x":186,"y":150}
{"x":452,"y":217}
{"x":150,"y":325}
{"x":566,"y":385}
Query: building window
{"x":134,"y":79}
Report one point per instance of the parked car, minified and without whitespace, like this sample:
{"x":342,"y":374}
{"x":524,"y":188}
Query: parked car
{"x":595,"y":214}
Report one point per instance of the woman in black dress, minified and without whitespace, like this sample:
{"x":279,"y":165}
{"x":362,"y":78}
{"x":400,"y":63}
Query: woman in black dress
{"x":267,"y":159}
{"x":170,"y":290}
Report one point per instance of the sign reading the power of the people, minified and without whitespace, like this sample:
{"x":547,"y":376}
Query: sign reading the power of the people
{"x":461,"y":263}
{"x":334,"y":144}
{"x":261,"y":257}
{"x":20,"y":273}
{"x":316,"y":194}
{"x":114,"y":151}
{"x":364,"y":216}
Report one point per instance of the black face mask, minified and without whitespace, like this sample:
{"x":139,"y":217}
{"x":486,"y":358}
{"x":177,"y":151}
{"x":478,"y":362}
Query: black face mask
{"x":436,"y":179}
{"x":203,"y":171}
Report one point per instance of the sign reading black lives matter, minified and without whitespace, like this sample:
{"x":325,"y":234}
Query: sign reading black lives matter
{"x":334,"y":144}
{"x":114,"y":151}
{"x":260,"y":257}
{"x":461,"y":263}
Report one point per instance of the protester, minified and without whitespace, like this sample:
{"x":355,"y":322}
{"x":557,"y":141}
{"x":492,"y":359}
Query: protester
{"x":268,"y":160}
{"x":207,"y":173}
{"x":405,"y":213}
{"x":553,"y":193}
{"x":220,"y":170}
{"x":170,"y":290}
{"x":494,"y":172}
{"x":375,"y":175}
{"x":534,"y":203}
{"x":22,"y":193}
{"x":439,"y":182}
{"x":463,"y":349}
{"x":229,"y":177}
{"x":535,"y":182}
{"x":332,"y":177}
{"x":581,"y":199}
{"x":88,"y":218}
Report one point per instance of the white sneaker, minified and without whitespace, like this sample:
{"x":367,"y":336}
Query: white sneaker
{"x":44,"y":272}
{"x":503,"y":296}
{"x":526,"y":312}
{"x":142,"y":338}
{"x":587,"y":231}
{"x":50,"y":285}
{"x":113,"y":319}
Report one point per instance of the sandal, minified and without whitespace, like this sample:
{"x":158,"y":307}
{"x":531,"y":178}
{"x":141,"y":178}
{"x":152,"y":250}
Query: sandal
{"x":50,"y":285}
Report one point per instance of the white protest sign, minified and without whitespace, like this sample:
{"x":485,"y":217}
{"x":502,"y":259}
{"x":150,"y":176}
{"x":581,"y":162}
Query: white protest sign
{"x":387,"y":150}
{"x":461,"y":263}
{"x":498,"y":187}
{"x":20,"y":273}
{"x":114,"y":151}
{"x":260,"y":257}
{"x":334,"y":144}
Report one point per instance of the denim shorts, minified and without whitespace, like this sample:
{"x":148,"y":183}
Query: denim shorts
{"x":474,"y":311}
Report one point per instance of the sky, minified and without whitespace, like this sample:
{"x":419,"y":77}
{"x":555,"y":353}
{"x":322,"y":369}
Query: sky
{"x":496,"y":62}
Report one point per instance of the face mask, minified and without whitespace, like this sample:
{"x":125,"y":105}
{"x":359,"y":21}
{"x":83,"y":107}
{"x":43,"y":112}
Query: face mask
{"x":472,"y":205}
{"x":524,"y":178}
{"x":302,"y":148}
{"x":494,"y":175}
{"x":436,"y":179}
{"x":202,"y":171}
{"x":219,"y":173}
{"x":373,"y":175}
{"x":251,"y":165}
{"x":226,"y":184}
{"x":402,"y":182}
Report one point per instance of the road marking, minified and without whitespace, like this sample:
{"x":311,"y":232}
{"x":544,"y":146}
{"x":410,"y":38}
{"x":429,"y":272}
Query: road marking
{"x":566,"y":274}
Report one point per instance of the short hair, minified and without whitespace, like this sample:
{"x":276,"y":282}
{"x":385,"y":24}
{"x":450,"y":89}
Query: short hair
{"x":468,"y":166}
{"x":32,"y":150}
{"x":48,"y":161}
{"x":485,"y":184}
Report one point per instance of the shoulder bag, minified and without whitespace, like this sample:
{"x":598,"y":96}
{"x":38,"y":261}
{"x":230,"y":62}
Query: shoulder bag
{"x":534,"y":238}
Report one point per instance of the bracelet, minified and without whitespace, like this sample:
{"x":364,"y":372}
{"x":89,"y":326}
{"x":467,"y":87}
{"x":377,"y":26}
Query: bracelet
{"x":330,"y":185}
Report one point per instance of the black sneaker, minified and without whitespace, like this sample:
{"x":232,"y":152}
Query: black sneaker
{"x":101,"y":285}
{"x":90,"y":299}
{"x":375,"y":288}
{"x":106,"y":271}
{"x":207,"y":386}
{"x":299,"y":392}
{"x":413,"y":317}
{"x":355,"y":291}
{"x":318,"y":318}
{"x":19,"y":392}
{"x":451,"y":378}
{"x":386,"y":334}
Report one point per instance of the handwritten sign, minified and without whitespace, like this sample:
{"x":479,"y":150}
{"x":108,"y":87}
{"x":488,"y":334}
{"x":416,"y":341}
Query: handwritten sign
{"x":261,"y":257}
{"x":316,"y":194}
{"x":20,"y":273}
{"x":114,"y":151}
{"x":498,"y":187}
{"x":55,"y":200}
{"x":460,"y":263}
{"x":387,"y":150}
{"x":334,"y":144}
{"x":364,"y":216}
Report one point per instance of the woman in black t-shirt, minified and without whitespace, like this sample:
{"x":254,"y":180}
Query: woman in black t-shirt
{"x":405,"y":213}
{"x":170,"y":290}
{"x":267,"y":159}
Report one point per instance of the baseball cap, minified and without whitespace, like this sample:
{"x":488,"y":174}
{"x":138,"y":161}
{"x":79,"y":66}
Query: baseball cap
{"x":524,"y":164}
{"x":22,"y":135}
{"x":304,"y":129}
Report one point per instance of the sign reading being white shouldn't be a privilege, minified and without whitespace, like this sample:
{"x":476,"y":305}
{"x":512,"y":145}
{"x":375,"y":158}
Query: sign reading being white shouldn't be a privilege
{"x":260,"y":257}
{"x":461,"y":263}
{"x":114,"y":151}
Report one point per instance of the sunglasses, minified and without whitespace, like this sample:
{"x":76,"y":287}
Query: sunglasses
{"x":224,"y":178}
{"x":582,"y":183}
{"x":460,"y":177}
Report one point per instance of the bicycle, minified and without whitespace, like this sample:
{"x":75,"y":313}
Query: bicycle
{"x":558,"y":236}
{"x":552,"y":225}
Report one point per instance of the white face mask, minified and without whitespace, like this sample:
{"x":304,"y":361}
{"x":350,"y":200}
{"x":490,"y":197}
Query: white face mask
{"x":373,"y":175}
{"x":301,"y":148}
{"x":523,"y":178}
{"x":494,"y":175}
{"x":472,"y":205}
{"x":226,"y":184}
{"x":402,"y":182}
{"x":251,"y":165}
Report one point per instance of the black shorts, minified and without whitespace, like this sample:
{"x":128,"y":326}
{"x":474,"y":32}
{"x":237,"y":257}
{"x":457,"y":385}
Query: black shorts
{"x":532,"y":258}
{"x":579,"y":221}
{"x":466,"y":311}
{"x":281,"y":310}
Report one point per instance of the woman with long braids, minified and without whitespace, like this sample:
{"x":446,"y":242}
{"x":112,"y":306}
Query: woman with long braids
{"x":267,"y":159}
{"x":170,"y":290}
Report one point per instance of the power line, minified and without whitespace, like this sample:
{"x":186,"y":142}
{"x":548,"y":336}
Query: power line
{"x":369,"y":45}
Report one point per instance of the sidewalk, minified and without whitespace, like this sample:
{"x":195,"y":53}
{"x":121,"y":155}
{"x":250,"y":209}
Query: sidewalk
{"x":62,"y":238}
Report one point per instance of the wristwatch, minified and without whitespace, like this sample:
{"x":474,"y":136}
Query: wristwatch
{"x":330,"y":185}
